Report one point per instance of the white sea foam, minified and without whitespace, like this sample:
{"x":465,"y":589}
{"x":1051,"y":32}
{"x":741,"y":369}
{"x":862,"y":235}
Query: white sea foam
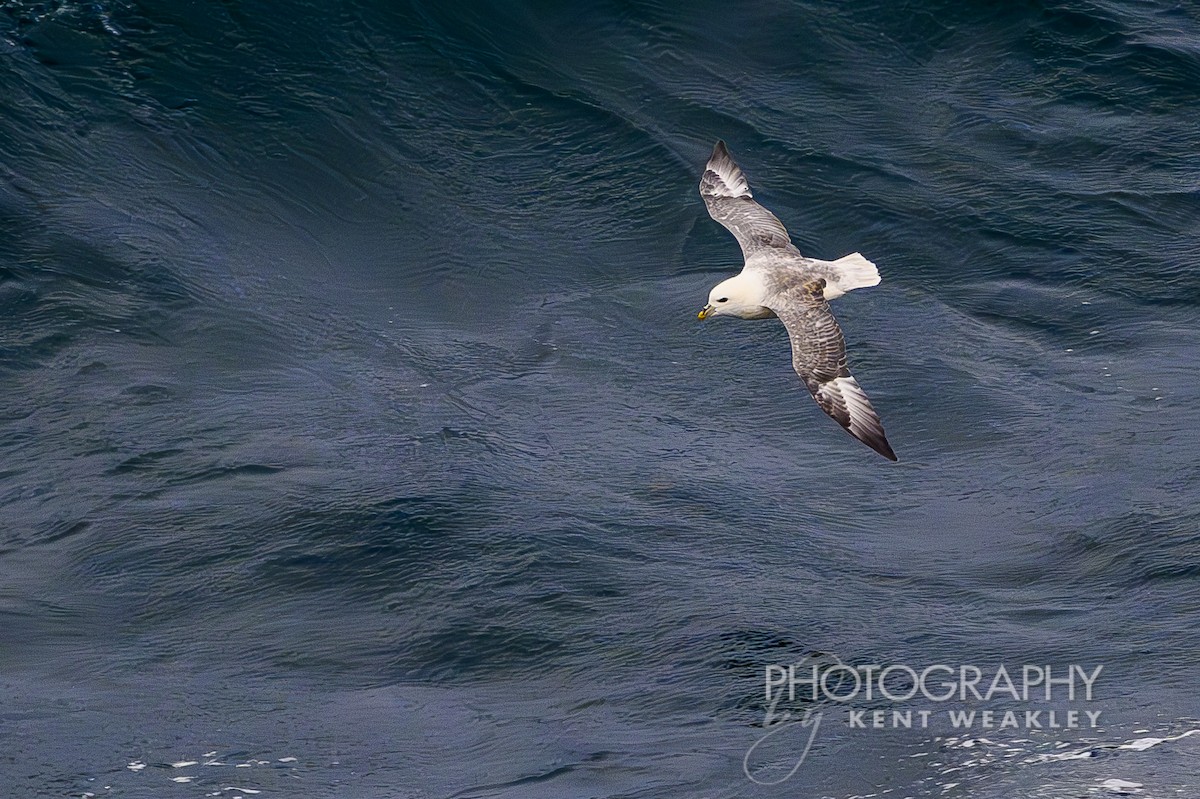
{"x":1145,"y":743}
{"x":1035,"y":753}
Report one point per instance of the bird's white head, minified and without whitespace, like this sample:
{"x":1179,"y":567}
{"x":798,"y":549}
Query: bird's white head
{"x":741,"y":295}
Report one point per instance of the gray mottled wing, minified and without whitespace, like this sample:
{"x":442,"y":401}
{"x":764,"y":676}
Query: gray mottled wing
{"x":819,"y":357}
{"x":727,"y":195}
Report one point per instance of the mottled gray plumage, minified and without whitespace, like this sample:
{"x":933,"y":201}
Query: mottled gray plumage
{"x":727,"y":195}
{"x":786,"y":284}
{"x":819,"y":357}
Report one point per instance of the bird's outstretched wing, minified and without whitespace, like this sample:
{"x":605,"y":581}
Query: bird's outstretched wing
{"x":819,"y":357}
{"x":727,"y":195}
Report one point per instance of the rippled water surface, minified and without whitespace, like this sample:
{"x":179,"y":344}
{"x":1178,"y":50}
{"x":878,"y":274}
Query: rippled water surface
{"x":358,"y":437}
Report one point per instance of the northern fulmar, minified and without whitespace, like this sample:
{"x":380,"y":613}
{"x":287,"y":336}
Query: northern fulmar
{"x":778,"y":281}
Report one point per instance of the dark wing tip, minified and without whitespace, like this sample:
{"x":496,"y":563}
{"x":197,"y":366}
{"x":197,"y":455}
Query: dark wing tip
{"x":845,"y":401}
{"x":724,"y":178}
{"x":870,"y":434}
{"x":879,"y":444}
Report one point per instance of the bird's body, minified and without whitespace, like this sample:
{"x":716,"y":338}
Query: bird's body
{"x":778,"y":281}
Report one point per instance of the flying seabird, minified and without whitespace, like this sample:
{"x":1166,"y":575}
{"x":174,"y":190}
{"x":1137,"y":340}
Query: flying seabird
{"x":778,"y":281}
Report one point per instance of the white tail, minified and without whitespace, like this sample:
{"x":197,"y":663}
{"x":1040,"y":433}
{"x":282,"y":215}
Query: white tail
{"x":855,"y":272}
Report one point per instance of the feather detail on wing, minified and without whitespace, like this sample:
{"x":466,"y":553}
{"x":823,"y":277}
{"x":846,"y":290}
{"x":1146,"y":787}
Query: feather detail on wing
{"x":726,"y":192}
{"x":819,"y":357}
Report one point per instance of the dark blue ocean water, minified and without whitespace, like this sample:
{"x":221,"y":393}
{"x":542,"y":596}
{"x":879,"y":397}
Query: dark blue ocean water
{"x":358,"y":437}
